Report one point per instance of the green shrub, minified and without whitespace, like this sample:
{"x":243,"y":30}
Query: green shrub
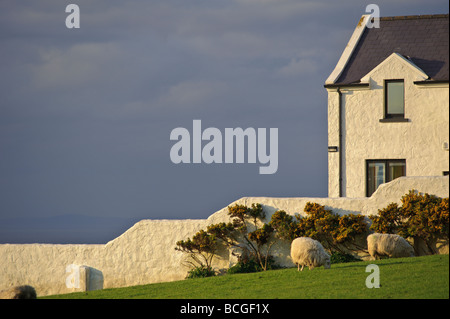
{"x":338,"y":257}
{"x":200,"y":272}
{"x":249,"y":264}
{"x":247,"y":267}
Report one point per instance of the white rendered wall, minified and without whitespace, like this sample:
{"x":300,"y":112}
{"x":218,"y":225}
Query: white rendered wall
{"x":333,"y":140}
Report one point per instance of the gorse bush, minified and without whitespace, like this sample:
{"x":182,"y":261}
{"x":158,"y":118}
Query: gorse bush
{"x":388,"y":220}
{"x":427,"y":216}
{"x":421,"y":216}
{"x":284,"y":225}
{"x":332,"y":230}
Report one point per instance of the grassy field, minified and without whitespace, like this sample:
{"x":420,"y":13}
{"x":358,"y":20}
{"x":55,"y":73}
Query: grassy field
{"x":402,"y":278}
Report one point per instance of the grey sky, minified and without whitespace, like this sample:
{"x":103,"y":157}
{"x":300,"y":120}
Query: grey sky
{"x":85,"y":114}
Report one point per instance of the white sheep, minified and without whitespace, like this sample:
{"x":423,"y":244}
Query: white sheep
{"x":390,"y":245}
{"x":306,"y":251}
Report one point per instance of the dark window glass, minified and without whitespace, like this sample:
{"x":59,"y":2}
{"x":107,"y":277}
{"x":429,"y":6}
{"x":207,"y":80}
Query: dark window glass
{"x":394,"y":98}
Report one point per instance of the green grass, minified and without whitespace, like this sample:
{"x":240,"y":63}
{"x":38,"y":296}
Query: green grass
{"x":419,"y":278}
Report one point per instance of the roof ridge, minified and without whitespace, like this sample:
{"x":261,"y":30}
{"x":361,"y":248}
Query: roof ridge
{"x":412,"y":17}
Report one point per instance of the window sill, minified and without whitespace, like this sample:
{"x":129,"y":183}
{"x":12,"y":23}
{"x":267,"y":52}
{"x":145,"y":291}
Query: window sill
{"x":394,"y":120}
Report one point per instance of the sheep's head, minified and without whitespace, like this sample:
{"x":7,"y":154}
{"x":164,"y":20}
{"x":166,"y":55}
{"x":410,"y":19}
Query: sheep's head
{"x":409,"y":250}
{"x":327,"y":264}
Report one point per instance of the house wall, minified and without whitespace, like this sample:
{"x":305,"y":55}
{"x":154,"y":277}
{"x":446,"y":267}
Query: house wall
{"x":333,"y":140}
{"x":146,"y":253}
{"x":420,"y":140}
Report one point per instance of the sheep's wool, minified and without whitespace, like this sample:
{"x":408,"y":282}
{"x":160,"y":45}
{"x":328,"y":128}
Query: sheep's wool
{"x":306,"y":251}
{"x":390,"y":245}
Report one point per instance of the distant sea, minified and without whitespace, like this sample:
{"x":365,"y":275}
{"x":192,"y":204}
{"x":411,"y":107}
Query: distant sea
{"x":63,"y":229}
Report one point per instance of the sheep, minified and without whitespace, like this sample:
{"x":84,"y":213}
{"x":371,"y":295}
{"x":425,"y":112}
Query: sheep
{"x":306,"y":251}
{"x":18,"y":292}
{"x":390,"y":245}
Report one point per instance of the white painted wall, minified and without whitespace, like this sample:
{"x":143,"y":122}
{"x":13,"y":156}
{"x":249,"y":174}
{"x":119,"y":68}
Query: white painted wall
{"x":145,"y":253}
{"x":333,"y":140}
{"x":420,"y":141}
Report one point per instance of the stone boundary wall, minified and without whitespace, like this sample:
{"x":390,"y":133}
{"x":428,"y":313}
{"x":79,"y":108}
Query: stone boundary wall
{"x":146,"y":253}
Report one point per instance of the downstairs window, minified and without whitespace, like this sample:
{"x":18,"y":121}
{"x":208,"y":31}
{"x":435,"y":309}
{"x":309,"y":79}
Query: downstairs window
{"x":382,"y":171}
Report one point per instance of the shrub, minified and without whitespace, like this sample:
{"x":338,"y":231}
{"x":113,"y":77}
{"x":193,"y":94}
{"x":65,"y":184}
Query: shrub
{"x":350,"y":225}
{"x":257,"y":243}
{"x":388,"y":221}
{"x":427,"y":216}
{"x":421,"y":215}
{"x":248,"y":265}
{"x":331,"y":229}
{"x":245,"y":267}
{"x":201,"y":249}
{"x":283,"y":224}
{"x":200,"y":272}
{"x":338,"y":257}
{"x":246,"y":231}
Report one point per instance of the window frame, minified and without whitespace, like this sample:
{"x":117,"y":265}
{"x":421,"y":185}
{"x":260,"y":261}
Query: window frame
{"x":388,"y":117}
{"x":386,"y":162}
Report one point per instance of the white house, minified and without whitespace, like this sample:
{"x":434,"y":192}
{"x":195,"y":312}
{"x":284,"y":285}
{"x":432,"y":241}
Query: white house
{"x":388,"y":104}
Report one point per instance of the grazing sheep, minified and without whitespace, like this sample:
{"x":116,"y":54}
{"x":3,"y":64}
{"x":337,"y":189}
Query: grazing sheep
{"x":18,"y":292}
{"x":306,"y":251}
{"x":390,"y":245}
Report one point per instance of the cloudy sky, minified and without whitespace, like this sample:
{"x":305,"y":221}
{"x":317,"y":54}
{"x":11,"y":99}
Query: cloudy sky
{"x":86,"y":114}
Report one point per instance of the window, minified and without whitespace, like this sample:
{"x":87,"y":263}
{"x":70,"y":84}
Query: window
{"x":394,"y":101}
{"x":383,"y":171}
{"x":395,"y":98}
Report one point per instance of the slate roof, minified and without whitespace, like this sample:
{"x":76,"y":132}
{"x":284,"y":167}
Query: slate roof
{"x":424,"y":39}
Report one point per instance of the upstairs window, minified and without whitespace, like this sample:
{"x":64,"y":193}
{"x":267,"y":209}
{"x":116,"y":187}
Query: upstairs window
{"x":394,"y":98}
